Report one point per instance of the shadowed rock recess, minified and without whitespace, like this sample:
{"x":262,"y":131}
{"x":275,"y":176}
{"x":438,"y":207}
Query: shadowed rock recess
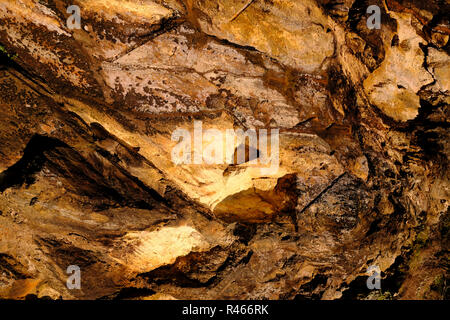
{"x":86,"y":170}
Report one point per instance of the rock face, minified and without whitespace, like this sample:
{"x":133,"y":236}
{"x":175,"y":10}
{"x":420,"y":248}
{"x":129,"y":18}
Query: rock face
{"x":358,"y":139}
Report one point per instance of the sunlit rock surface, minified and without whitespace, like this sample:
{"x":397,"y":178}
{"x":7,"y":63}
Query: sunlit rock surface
{"x":88,"y":178}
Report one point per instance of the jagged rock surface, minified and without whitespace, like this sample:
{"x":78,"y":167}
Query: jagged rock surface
{"x":87,"y":176}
